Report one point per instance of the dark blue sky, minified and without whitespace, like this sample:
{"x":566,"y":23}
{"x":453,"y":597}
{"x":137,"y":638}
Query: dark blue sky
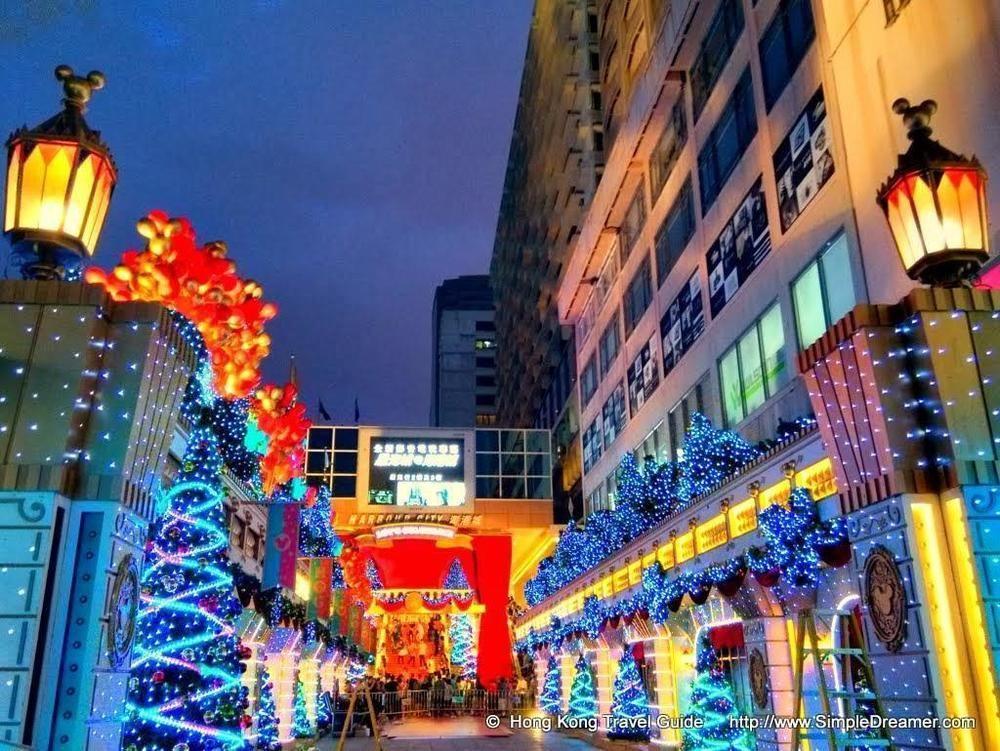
{"x":351,"y":153}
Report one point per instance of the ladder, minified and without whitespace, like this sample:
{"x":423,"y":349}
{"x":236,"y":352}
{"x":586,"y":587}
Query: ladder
{"x":851,"y":695}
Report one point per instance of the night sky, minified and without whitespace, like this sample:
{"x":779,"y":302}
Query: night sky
{"x":351,"y":153}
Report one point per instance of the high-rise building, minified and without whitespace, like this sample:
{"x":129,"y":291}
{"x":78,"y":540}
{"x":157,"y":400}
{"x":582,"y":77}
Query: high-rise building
{"x":463,"y":340}
{"x":554,"y":165}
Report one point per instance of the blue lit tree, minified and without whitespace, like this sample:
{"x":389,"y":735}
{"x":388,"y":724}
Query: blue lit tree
{"x":324,"y":712}
{"x":316,"y":536}
{"x":583,"y":693}
{"x":551,"y":696}
{"x":711,"y":455}
{"x":713,"y":701}
{"x":629,"y":705}
{"x":456,"y":578}
{"x":185,"y":686}
{"x":301,"y":727}
{"x":267,"y":717}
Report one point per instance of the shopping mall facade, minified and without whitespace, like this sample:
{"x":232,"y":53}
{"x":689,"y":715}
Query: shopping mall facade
{"x":734,"y":261}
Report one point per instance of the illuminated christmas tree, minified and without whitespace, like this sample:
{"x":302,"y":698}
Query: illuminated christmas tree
{"x":301,"y":727}
{"x":356,"y":670}
{"x":267,"y":718}
{"x":324,"y":712}
{"x":628,"y":701}
{"x":456,"y":578}
{"x":711,"y":455}
{"x":583,"y":694}
{"x":316,"y":536}
{"x":712,"y":700}
{"x":551,"y":697}
{"x":463,"y":655}
{"x":185,"y":688}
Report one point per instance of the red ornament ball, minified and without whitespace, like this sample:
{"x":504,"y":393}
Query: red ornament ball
{"x":159,"y":676}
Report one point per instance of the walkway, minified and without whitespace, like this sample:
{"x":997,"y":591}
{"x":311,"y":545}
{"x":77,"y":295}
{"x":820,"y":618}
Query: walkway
{"x":458,"y":734}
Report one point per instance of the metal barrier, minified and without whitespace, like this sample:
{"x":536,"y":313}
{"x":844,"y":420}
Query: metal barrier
{"x":397,"y":705}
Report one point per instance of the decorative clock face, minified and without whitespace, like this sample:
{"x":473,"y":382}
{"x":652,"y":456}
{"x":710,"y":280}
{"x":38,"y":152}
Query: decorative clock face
{"x":122,"y":611}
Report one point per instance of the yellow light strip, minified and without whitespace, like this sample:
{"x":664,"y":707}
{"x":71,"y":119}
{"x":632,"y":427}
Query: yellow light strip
{"x":818,"y":478}
{"x":938,"y":602}
{"x":972,"y":609}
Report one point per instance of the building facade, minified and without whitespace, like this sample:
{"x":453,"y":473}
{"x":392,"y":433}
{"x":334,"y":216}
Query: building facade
{"x":554,"y":165}
{"x":734,"y":262}
{"x":463,"y":348}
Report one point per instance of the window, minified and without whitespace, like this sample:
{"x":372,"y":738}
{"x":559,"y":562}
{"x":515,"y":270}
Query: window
{"x":668,"y":149}
{"x":592,"y":23}
{"x":679,"y":417}
{"x":592,"y":445}
{"x":485,"y":326}
{"x":752,"y":369}
{"x":485,"y":344}
{"x":635,"y":216}
{"x":595,"y":99}
{"x":677,"y":229}
{"x":726,"y":143}
{"x":638,"y":296}
{"x":588,"y":380}
{"x":892,"y":10}
{"x":486,"y":380}
{"x":613,"y":415}
{"x":824,"y":292}
{"x":594,"y":61}
{"x":485,"y":400}
{"x":783,"y":45}
{"x":485,"y":362}
{"x":723,"y":32}
{"x":610,"y":343}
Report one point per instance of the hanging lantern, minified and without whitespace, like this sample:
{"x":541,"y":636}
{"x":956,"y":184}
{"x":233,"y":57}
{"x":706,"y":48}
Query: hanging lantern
{"x":935,"y":204}
{"x":60,"y":177}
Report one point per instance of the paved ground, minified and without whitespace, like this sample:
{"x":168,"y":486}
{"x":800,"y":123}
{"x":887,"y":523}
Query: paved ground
{"x":455,"y":735}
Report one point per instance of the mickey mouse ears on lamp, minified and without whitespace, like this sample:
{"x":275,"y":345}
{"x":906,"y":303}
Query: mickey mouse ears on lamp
{"x":935,"y":203}
{"x":60,"y":177}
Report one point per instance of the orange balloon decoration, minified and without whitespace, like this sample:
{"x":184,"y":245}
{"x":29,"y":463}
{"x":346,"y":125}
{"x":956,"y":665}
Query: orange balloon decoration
{"x":201,"y":284}
{"x":282,"y":417}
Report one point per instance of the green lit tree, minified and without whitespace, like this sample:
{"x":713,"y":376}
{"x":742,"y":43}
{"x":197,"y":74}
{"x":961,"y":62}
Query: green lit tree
{"x":324,"y":712}
{"x":462,"y":654}
{"x":583,"y":693}
{"x":713,"y":701}
{"x":551,"y":697}
{"x":629,"y":705}
{"x":267,"y":717}
{"x":301,"y":727}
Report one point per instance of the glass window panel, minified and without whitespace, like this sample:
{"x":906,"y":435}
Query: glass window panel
{"x":837,"y":280}
{"x":346,"y":438}
{"x":772,"y":340}
{"x":345,"y":462}
{"x":539,"y":487}
{"x":677,"y":229}
{"x":317,"y":461}
{"x":807,"y":295}
{"x":487,"y":464}
{"x":344,"y":486}
{"x":732,"y":400}
{"x":538,"y":464}
{"x":321,"y":438}
{"x":512,"y":487}
{"x":512,"y":440}
{"x":751,"y":370}
{"x":513,"y":464}
{"x":538,"y":441}
{"x":487,"y":440}
{"x":487,"y":487}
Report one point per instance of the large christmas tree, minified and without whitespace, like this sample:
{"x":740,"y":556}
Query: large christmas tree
{"x":551,"y":696}
{"x":629,"y":705}
{"x":462,"y":654}
{"x":582,"y":694}
{"x":185,"y":689}
{"x":712,"y":700}
{"x":267,"y":718}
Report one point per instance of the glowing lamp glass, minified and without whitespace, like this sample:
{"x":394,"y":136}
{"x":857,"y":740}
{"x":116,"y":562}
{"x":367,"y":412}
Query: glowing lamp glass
{"x":57,"y":190}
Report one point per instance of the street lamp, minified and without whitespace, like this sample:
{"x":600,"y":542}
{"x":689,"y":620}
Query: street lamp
{"x":60,"y":177}
{"x":935,"y":203}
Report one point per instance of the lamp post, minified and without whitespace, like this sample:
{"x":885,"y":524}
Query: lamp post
{"x":935,"y":204}
{"x":60,"y":177}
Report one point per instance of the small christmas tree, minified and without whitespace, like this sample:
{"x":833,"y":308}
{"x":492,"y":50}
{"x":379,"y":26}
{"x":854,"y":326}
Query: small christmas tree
{"x":456,"y":578}
{"x":712,"y":700}
{"x":628,"y":702}
{"x":267,"y":718}
{"x":356,"y":671}
{"x":301,"y":727}
{"x":582,"y":694}
{"x":324,"y":712}
{"x":551,"y":697}
{"x":462,"y":654}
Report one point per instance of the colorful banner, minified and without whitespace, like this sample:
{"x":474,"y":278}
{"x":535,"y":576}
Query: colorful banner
{"x":804,"y":161}
{"x":282,"y":546}
{"x":320,"y":577}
